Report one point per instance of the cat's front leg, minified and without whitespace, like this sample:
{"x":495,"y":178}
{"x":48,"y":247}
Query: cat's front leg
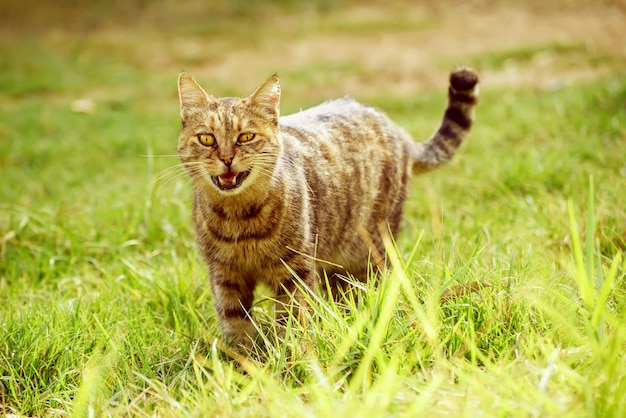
{"x":233,"y":296}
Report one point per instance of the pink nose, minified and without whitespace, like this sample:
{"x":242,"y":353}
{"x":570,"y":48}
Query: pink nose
{"x":227,"y":160}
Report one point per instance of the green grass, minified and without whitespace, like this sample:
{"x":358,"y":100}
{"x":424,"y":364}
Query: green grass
{"x":105,"y":308}
{"x":567,"y":56}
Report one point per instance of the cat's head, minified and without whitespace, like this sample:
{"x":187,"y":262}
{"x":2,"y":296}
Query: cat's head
{"x":228,"y":144}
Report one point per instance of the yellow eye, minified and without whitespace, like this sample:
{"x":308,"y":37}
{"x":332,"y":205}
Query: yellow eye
{"x":246,"y":137}
{"x":206,"y":139}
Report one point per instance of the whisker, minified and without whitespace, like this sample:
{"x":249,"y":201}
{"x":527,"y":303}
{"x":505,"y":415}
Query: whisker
{"x":166,"y":172}
{"x":263,"y":173}
{"x":171,"y":180}
{"x":171,"y":169}
{"x":159,"y":155}
{"x":192,"y":176}
{"x":175,"y":171}
{"x":263,"y":170}
{"x":276,"y":157}
{"x":265,"y":160}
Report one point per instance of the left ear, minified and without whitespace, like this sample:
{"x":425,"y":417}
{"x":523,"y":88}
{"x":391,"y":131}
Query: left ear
{"x":267,"y":97}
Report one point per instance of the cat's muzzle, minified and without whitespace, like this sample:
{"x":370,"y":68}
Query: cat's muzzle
{"x":230,"y":180}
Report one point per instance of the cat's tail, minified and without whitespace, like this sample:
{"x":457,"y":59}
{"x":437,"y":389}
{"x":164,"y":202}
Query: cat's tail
{"x":456,"y":123}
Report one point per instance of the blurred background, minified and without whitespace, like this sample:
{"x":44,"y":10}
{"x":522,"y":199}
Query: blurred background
{"x":108,"y":50}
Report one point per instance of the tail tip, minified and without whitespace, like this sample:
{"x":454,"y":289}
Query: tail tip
{"x":463,"y":79}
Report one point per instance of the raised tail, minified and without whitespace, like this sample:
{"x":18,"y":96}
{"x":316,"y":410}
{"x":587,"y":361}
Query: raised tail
{"x":456,"y":123}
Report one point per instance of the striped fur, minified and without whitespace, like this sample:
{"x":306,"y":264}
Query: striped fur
{"x":285,"y":205}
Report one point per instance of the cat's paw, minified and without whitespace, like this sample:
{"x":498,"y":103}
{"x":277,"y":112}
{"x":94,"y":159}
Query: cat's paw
{"x":463,"y":79}
{"x":245,"y":342}
{"x":240,"y":340}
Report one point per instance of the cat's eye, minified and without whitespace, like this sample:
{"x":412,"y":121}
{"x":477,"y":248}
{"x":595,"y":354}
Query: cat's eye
{"x":207,"y":140}
{"x":245,"y":137}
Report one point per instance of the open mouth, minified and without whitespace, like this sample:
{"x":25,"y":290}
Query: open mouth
{"x":230,"y":180}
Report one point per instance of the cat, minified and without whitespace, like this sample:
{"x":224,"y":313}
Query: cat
{"x":287,"y":201}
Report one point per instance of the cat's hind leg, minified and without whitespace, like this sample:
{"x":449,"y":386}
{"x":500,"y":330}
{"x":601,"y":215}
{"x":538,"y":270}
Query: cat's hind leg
{"x":290,"y":296}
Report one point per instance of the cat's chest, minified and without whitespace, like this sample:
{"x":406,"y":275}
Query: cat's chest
{"x":244,"y":236}
{"x":225,"y":227}
{"x":239,"y":230}
{"x":251,"y":248}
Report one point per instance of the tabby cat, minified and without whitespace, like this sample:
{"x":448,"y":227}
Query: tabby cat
{"x":285,"y":201}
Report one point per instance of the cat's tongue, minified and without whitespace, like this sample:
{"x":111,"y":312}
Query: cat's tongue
{"x":228,"y":177}
{"x":230,"y":180}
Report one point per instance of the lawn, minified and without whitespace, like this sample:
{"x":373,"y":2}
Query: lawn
{"x":507,"y":293}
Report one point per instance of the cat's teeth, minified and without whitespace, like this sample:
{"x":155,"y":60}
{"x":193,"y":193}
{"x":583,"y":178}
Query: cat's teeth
{"x":230,"y":180}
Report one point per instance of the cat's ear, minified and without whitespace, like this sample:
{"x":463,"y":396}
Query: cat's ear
{"x":192,"y":97}
{"x":267,"y":96}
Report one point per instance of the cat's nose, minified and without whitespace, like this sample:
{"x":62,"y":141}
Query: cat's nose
{"x":227,"y":160}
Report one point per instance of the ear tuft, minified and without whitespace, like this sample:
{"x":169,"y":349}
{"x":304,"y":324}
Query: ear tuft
{"x":267,"y":96}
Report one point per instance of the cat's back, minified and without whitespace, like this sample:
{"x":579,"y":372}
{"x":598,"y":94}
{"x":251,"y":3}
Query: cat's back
{"x":343,"y":126}
{"x":325,"y":111}
{"x":336,"y":114}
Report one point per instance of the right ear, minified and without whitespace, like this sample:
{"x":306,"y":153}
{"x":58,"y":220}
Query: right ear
{"x":192,"y":97}
{"x":267,"y":97}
